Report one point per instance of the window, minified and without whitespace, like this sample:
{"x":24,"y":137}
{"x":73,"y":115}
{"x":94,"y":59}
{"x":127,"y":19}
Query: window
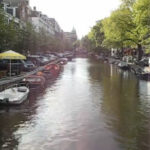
{"x":10,"y":11}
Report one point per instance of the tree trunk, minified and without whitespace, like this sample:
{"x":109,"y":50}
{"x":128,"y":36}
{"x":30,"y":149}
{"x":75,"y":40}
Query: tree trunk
{"x":140,"y":52}
{"x":122,"y":52}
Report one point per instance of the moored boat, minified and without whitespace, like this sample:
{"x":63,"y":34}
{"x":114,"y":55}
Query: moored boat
{"x":63,"y":61}
{"x":123,"y":65}
{"x":145,"y":74}
{"x":42,"y":74}
{"x":14,"y":95}
{"x":35,"y":81}
{"x":52,"y":70}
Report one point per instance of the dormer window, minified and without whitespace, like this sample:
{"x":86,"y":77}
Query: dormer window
{"x":27,"y":2}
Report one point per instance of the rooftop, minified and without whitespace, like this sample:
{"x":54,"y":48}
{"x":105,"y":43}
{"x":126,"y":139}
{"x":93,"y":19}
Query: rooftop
{"x":14,"y":2}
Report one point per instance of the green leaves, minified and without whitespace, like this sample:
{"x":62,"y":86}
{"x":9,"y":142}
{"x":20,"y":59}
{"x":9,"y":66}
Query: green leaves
{"x":119,"y":28}
{"x":27,"y":39}
{"x":127,"y":3}
{"x":142,"y":19}
{"x":96,"y":37}
{"x":6,"y":32}
{"x":127,"y":26}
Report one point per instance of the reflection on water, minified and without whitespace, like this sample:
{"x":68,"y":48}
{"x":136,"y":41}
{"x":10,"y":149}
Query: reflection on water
{"x":91,"y":106}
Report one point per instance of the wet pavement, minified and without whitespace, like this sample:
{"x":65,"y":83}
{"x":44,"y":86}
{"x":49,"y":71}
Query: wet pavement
{"x":90,"y":106}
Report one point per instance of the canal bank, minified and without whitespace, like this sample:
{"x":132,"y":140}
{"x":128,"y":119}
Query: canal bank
{"x":90,"y":106}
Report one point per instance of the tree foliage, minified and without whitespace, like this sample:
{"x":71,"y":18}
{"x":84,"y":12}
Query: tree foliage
{"x":95,"y":37}
{"x":119,"y":29}
{"x":86,"y":43}
{"x":27,"y":39}
{"x":127,"y":26}
{"x":142,"y":20}
{"x":127,"y":3}
{"x":8,"y":35}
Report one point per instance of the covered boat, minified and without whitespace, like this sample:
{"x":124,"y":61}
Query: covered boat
{"x":52,"y":69}
{"x":35,"y":81}
{"x":145,"y":74}
{"x":14,"y":95}
{"x":123,"y":65}
{"x":63,"y":61}
{"x":42,"y":74}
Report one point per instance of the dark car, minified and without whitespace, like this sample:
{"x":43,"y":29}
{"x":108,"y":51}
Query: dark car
{"x":60,"y":55}
{"x":3,"y":65}
{"x":51,"y":57}
{"x":43,"y":60}
{"x":38,"y":60}
{"x":34,"y":59}
{"x":27,"y":65}
{"x":13,"y":65}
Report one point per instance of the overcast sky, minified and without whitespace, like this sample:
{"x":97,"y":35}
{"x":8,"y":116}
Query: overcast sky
{"x":80,"y":14}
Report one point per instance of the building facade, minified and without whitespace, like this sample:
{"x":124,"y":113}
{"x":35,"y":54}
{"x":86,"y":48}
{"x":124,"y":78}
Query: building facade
{"x":41,"y":21}
{"x":21,"y":12}
{"x":71,"y":36}
{"x":18,"y":9}
{"x":11,"y":12}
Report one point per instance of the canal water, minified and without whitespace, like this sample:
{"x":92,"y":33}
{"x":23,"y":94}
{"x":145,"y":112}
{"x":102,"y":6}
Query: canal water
{"x":90,"y":106}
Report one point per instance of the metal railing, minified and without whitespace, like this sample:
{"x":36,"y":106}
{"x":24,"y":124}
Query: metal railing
{"x":9,"y":80}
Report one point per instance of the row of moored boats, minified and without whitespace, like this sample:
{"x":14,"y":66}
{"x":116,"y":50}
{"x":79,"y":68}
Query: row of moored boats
{"x":140,"y":68}
{"x":18,"y":93}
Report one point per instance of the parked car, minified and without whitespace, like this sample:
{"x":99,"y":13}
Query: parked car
{"x":27,"y":65}
{"x":16,"y":66}
{"x":3,"y":65}
{"x":60,"y":55}
{"x":43,"y":60}
{"x":34,"y":59}
{"x":53,"y":57}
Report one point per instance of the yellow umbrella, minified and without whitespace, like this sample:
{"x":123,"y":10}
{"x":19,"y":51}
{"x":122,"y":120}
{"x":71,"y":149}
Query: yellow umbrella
{"x":11,"y":55}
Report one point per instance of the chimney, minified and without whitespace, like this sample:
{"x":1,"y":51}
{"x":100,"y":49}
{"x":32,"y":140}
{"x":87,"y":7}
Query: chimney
{"x":27,"y":2}
{"x":34,"y":8}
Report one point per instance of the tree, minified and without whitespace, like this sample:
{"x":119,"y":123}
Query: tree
{"x":127,"y":3}
{"x":129,"y":26}
{"x":118,"y":29}
{"x":27,"y":39}
{"x":142,"y":20}
{"x":96,"y":34}
{"x":8,"y":35}
{"x":96,"y":37}
{"x":124,"y":29}
{"x":86,"y":44}
{"x":76,"y":44}
{"x":113,"y":38}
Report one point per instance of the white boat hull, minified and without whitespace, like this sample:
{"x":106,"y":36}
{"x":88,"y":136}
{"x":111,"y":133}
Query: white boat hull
{"x":13,"y":97}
